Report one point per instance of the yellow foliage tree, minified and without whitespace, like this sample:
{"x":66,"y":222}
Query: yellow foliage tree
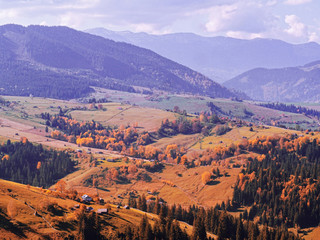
{"x":12,"y":209}
{"x":206,"y":177}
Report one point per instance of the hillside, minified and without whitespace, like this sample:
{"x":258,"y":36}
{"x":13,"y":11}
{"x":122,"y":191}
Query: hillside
{"x":294,"y":84}
{"x":60,"y":62}
{"x":220,"y":58}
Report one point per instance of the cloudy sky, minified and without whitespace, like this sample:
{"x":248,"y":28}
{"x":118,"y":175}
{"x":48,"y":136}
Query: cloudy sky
{"x":294,"y":21}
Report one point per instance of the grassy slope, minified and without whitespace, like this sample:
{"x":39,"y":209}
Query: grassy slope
{"x":26,"y":225}
{"x":237,"y":134}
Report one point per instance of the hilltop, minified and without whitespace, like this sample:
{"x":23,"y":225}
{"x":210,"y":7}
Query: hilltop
{"x":293,"y":84}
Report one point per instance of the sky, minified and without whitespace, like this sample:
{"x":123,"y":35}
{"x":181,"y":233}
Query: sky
{"x":294,"y":21}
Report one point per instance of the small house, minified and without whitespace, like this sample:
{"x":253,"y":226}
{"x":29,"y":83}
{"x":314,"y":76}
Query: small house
{"x":86,"y":198}
{"x":89,"y":209}
{"x":110,"y":160}
{"x":102,"y":211}
{"x":101,"y":201}
{"x":126,"y":207}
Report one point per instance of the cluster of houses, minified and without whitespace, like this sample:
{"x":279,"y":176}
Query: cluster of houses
{"x":87,"y":199}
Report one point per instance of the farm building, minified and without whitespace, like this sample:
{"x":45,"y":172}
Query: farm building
{"x":89,"y":209}
{"x":101,"y":201}
{"x":86,"y":198}
{"x":102,"y":211}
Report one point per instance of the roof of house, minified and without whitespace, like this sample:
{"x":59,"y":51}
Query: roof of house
{"x":102,"y":210}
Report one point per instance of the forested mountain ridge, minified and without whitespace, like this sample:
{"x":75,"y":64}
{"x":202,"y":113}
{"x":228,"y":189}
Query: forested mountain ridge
{"x":61,"y":62}
{"x":294,"y":84}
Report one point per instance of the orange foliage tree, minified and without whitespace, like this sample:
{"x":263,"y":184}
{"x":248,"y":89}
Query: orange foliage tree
{"x":206,"y":177}
{"x":61,"y":185}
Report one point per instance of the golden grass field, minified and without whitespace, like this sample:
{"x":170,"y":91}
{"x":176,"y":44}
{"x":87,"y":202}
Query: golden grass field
{"x":148,"y":119}
{"x":236,"y":135}
{"x":19,"y":221}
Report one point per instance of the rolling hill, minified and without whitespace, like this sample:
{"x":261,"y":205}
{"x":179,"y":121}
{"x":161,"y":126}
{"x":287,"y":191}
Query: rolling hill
{"x":60,"y":62}
{"x":220,"y":58}
{"x":294,"y":84}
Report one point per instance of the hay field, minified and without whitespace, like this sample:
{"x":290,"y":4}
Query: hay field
{"x":236,"y":135}
{"x":148,"y":119}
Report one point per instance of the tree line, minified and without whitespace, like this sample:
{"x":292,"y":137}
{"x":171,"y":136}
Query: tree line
{"x":27,"y":163}
{"x":212,"y":220}
{"x":292,"y":108}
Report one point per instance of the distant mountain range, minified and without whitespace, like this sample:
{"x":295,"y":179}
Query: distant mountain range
{"x":294,"y":84}
{"x":219,"y":58}
{"x":61,"y":62}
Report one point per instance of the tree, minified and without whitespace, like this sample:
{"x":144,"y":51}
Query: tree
{"x":199,"y":229}
{"x":88,"y":224}
{"x":38,"y":165}
{"x":12,"y":209}
{"x":206,"y":177}
{"x":145,"y":230}
{"x":61,"y":185}
{"x":240,"y":230}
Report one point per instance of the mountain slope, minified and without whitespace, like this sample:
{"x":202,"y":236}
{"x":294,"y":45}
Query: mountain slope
{"x":295,"y":84}
{"x":219,"y":58}
{"x":63,"y":63}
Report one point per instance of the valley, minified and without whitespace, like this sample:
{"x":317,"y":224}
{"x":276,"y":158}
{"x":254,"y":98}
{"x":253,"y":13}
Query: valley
{"x":166,"y":180}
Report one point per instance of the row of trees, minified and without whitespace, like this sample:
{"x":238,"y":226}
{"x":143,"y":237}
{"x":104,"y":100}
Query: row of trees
{"x":93,"y":134}
{"x":202,"y":124}
{"x":292,"y":108}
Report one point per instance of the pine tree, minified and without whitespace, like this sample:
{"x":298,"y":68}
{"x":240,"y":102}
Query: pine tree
{"x":199,"y":230}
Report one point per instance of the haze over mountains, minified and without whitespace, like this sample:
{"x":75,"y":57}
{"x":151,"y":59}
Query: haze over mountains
{"x":60,"y":62}
{"x":220,"y":58}
{"x":294,"y":84}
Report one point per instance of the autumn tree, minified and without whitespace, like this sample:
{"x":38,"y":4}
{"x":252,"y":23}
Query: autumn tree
{"x":61,"y":185}
{"x":38,"y":165}
{"x":12,"y":209}
{"x":206,"y":177}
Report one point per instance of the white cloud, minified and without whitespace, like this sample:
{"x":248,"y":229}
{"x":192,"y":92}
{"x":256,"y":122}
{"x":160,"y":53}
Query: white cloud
{"x":8,"y":13}
{"x":243,"y":35}
{"x":297,"y":2}
{"x":313,"y":37}
{"x":221,"y":17}
{"x":296,"y":28}
{"x":71,"y":19}
{"x":271,"y":3}
{"x":249,"y":16}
